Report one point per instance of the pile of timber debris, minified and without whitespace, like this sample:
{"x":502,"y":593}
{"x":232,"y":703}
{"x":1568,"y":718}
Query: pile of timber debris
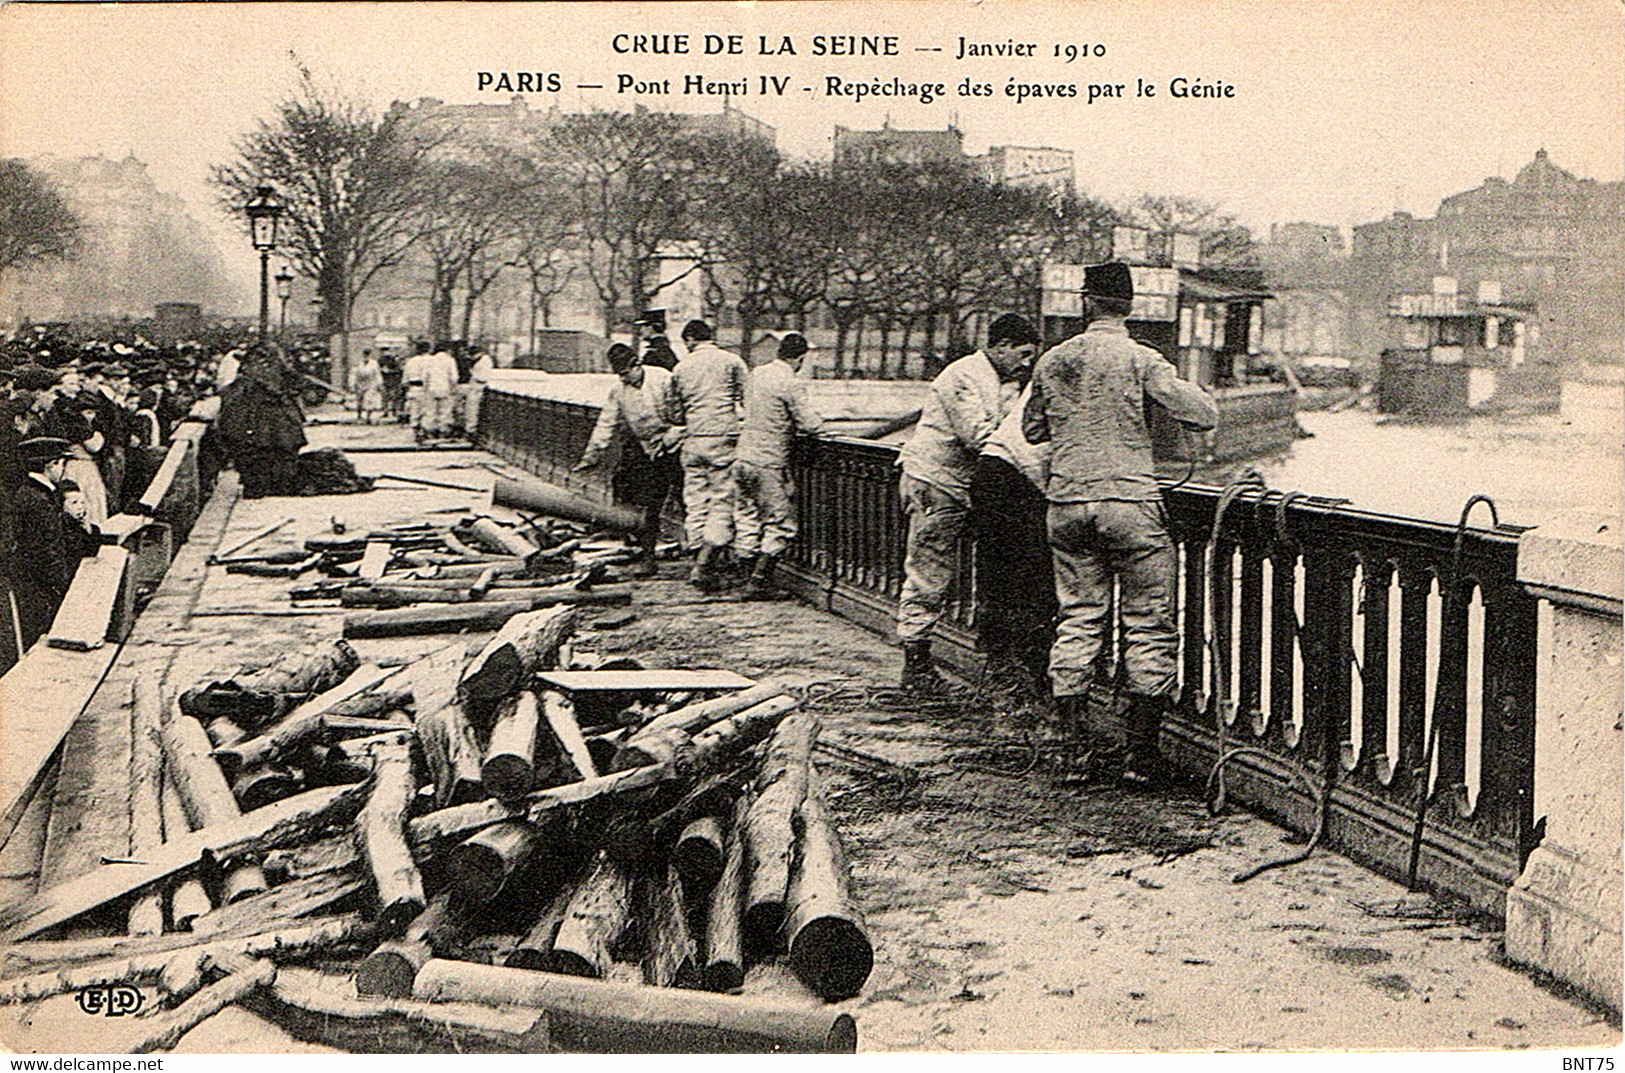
{"x":474,"y":574}
{"x":520,"y":850}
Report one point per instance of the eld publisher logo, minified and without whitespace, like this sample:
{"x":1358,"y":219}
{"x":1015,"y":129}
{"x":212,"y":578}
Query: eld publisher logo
{"x":114,"y":1000}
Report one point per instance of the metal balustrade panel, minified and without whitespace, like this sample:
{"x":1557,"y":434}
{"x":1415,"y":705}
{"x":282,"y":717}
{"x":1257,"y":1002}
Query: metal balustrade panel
{"x":1280,"y":619}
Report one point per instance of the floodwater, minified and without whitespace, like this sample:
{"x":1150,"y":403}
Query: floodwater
{"x":1531,"y":466}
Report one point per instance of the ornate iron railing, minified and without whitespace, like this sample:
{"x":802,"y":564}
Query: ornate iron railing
{"x":1385,"y":662}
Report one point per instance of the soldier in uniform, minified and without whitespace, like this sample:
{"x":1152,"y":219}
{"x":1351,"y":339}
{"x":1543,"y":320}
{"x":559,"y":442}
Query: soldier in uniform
{"x":1106,"y":522}
{"x":639,"y":411}
{"x":709,"y":390}
{"x":967,"y":401}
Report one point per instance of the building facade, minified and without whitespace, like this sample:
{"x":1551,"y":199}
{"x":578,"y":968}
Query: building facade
{"x":1553,"y":241}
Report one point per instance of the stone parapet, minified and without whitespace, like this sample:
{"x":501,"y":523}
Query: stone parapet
{"x":1563,"y":913}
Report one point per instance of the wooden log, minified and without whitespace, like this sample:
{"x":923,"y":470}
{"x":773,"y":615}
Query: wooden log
{"x":188,"y":897}
{"x":724,"y":944}
{"x":701,"y":854}
{"x":714,"y":795}
{"x":560,"y":726}
{"x":284,"y":823}
{"x":459,"y":821}
{"x":526,"y":644}
{"x":260,"y":785}
{"x":482,"y":864}
{"x":301,"y":724}
{"x":667,"y":735}
{"x":165,"y":1030}
{"x":641,"y":681}
{"x":311,"y":859}
{"x":453,"y":754}
{"x":594,"y":922}
{"x":720,"y":743}
{"x":612,"y":1018}
{"x":460,"y":572}
{"x":700,"y":714}
{"x":769,"y":830}
{"x":318,"y":1008}
{"x":388,"y":971}
{"x":146,"y":915}
{"x":257,"y":697}
{"x":228,"y":923}
{"x":501,"y":538}
{"x":673,"y":958}
{"x":296,"y":941}
{"x":342,"y":727}
{"x":223,"y":731}
{"x":208,"y":801}
{"x":373,"y":704}
{"x":510,"y":758}
{"x":483,"y":583}
{"x":539,"y":497}
{"x":417,"y":621}
{"x":86,"y":612}
{"x":533,"y":951}
{"x":381,"y":830}
{"x":282,"y":905}
{"x":829,"y":945}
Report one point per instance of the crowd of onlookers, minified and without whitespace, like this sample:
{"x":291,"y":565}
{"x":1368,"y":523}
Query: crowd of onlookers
{"x":86,"y":425}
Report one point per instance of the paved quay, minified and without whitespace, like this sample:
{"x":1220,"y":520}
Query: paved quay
{"x":1007,"y":914}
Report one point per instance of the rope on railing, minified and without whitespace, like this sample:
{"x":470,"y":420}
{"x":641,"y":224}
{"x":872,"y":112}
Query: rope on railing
{"x":1451,"y":591}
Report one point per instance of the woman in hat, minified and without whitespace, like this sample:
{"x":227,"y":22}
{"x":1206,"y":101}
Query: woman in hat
{"x":261,"y":425}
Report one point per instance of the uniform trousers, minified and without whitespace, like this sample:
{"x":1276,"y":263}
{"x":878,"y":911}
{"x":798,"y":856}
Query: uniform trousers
{"x":1093,"y":543}
{"x":765,"y":508}
{"x":644,"y":482}
{"x":708,"y":489}
{"x":936,"y":522}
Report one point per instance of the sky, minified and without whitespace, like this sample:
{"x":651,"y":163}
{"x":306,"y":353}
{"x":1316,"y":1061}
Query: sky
{"x":1339,"y":112}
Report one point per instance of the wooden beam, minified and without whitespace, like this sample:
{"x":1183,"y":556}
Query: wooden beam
{"x":81,"y":622}
{"x":284,"y":823}
{"x":383,"y":839}
{"x":40,"y":697}
{"x":375,"y":559}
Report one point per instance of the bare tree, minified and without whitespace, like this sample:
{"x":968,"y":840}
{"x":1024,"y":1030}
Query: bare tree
{"x":350,"y":183}
{"x":36,"y":224}
{"x":1225,"y":242}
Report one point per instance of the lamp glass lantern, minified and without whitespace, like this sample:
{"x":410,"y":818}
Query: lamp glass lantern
{"x":284,"y":283}
{"x":264,"y":215}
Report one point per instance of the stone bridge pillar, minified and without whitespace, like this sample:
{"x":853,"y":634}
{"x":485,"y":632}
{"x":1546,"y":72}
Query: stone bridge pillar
{"x":1563,"y":913}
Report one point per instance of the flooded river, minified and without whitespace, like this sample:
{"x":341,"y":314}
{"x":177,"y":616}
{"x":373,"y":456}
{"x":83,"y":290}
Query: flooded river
{"x":1530,"y":466}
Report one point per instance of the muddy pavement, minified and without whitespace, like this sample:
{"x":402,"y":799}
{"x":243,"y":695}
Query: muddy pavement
{"x":1012,"y":915}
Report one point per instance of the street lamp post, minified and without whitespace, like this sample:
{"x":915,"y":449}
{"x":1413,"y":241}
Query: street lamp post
{"x":264,"y":213}
{"x":284,"y":289}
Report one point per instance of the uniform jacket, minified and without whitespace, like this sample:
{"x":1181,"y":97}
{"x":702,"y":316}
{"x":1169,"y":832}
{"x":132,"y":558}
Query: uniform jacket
{"x":1088,"y":397}
{"x":966,"y":402}
{"x":776,"y":408}
{"x":646,"y":412}
{"x":709,"y":391}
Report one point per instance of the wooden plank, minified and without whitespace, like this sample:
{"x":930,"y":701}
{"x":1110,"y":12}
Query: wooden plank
{"x":271,"y":827}
{"x":158,"y":487}
{"x":121,"y":527}
{"x":375,"y":558}
{"x":40,"y":697}
{"x":652,"y":681}
{"x":82,"y":620}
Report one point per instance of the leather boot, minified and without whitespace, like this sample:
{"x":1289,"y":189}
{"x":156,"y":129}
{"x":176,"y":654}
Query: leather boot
{"x":1145,"y":765}
{"x":705,"y":575}
{"x":759,"y":586}
{"x":919,"y":673}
